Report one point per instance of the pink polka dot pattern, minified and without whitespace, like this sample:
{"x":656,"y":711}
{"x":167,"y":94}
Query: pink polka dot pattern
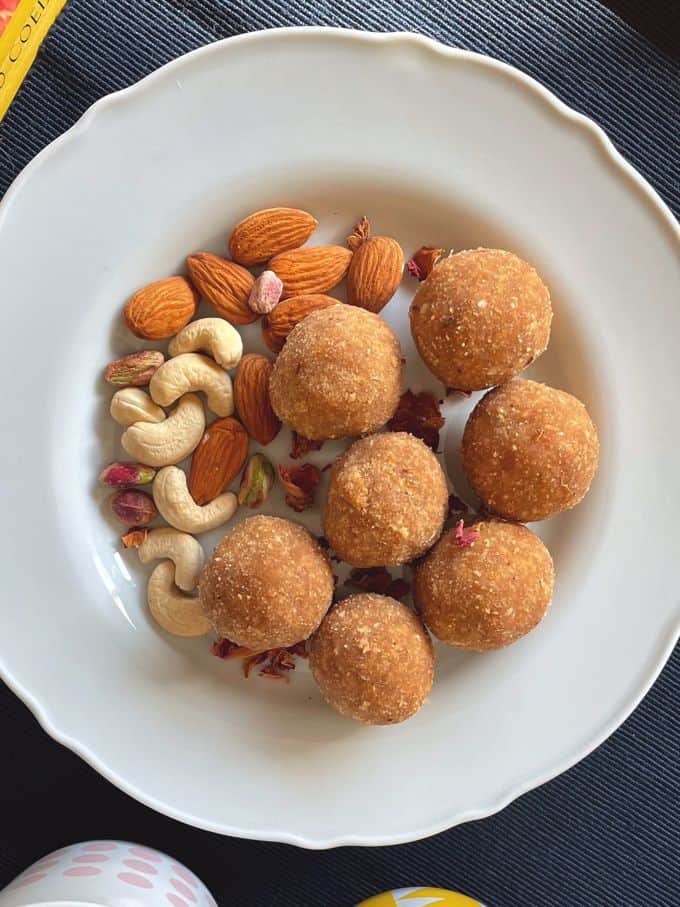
{"x":29,"y":880}
{"x":131,"y":878}
{"x":91,"y":858}
{"x":141,"y":866}
{"x":82,"y":871}
{"x":46,"y":863}
{"x":175,"y":901}
{"x":184,"y":890}
{"x":146,"y":854}
{"x":184,"y":873}
{"x":101,"y":845}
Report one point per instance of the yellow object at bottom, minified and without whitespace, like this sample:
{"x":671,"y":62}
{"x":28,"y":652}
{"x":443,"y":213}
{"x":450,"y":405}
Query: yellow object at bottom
{"x":19,"y":44}
{"x":420,"y":897}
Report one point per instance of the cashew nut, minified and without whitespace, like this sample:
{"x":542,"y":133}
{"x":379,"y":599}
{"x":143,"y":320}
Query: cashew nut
{"x":132,"y":404}
{"x":175,"y":611}
{"x":214,"y":336}
{"x":177,"y":507}
{"x":182,"y":549}
{"x":170,"y":441}
{"x":193,"y":372}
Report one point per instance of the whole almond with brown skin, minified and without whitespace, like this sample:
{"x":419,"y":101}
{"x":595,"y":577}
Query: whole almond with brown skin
{"x":375,"y":273}
{"x":277,"y":325}
{"x":224,"y":284}
{"x":218,"y":459}
{"x":251,"y":398}
{"x":313,"y":269}
{"x":264,"y":234}
{"x":162,"y":308}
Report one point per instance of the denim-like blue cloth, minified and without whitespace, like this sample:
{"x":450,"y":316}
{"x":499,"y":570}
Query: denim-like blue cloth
{"x":604,"y":833}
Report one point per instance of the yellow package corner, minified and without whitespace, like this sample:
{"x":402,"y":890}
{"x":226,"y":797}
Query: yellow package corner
{"x":20,"y":42}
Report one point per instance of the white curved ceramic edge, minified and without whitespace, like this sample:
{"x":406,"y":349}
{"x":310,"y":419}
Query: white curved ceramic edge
{"x":652,"y":199}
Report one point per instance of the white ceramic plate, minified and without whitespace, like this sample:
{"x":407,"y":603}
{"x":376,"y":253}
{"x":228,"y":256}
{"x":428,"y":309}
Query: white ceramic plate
{"x":438,"y":147}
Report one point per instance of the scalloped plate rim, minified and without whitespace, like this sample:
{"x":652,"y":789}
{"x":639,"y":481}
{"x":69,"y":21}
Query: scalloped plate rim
{"x":570,"y":117}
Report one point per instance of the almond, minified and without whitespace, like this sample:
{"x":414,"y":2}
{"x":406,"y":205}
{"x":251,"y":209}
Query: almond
{"x":251,"y":398}
{"x":218,"y":459}
{"x":375,"y":273}
{"x":277,"y":325}
{"x":266,"y":233}
{"x":161,"y":309}
{"x":313,"y":269}
{"x":224,"y":284}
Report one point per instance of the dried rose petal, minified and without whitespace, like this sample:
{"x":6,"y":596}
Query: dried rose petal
{"x":300,"y":484}
{"x":423,"y":261}
{"x":359,"y":235}
{"x":456,"y":392}
{"x":377,"y":580}
{"x":465,"y":537}
{"x":135,"y":538}
{"x":301,"y":446}
{"x":274,"y":661}
{"x":324,"y":543}
{"x":456,"y":505}
{"x":226,"y":649}
{"x":299,"y":649}
{"x":369,"y":579}
{"x":420,"y":415}
{"x":399,"y":589}
{"x":250,"y":663}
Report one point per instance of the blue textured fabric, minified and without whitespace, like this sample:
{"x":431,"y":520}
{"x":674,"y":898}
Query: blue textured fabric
{"x":604,"y":833}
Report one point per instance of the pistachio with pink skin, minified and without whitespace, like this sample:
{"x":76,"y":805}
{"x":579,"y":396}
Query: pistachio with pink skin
{"x":133,"y":508}
{"x":134,"y":370}
{"x":257,"y":481}
{"x":126,"y":475}
{"x":266,"y":293}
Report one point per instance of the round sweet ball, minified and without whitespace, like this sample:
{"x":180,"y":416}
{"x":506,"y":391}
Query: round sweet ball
{"x":480,"y":318}
{"x":372,"y":659}
{"x":487,"y":594}
{"x":530,"y":451}
{"x":387,"y":501}
{"x":268,"y":584}
{"x":338,"y":375}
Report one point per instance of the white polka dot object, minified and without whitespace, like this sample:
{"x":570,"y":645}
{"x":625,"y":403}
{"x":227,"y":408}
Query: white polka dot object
{"x":108,"y":873}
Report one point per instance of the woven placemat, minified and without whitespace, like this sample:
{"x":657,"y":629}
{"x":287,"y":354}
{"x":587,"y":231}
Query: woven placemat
{"x":604,"y":833}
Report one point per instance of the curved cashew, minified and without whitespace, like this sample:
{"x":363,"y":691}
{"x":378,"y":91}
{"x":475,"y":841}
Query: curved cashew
{"x":170,"y":441}
{"x":193,"y":372}
{"x":177,"y":507}
{"x":175,"y":611}
{"x":132,"y":404}
{"x":215,"y":336}
{"x":182,"y":549}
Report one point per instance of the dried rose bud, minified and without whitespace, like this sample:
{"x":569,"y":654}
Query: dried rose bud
{"x":266,"y":293}
{"x":134,"y":508}
{"x":256,"y":482}
{"x":359,"y":235}
{"x":134,"y":370}
{"x":126,"y":475}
